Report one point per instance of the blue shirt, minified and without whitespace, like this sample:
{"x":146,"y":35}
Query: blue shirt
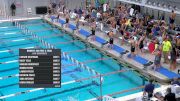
{"x":149,"y":88}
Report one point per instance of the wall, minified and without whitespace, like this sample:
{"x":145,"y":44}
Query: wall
{"x":22,"y":5}
{"x":72,"y":4}
{"x":2,"y":5}
{"x":155,"y":13}
{"x":33,"y":4}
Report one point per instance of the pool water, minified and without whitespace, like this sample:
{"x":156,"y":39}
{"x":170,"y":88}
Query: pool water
{"x":12,"y":38}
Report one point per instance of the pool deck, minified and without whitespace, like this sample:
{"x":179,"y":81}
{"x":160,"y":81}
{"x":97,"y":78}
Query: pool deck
{"x":122,"y":59}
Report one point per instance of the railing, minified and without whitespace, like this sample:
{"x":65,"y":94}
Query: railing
{"x":151,"y":5}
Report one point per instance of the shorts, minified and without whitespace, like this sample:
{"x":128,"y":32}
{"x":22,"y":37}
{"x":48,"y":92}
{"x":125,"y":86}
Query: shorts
{"x":150,"y":95}
{"x":173,"y":60}
{"x":77,"y":26}
{"x":171,"y":21}
{"x":157,"y":62}
{"x":111,"y":41}
{"x":67,"y":21}
{"x":132,"y":49}
{"x":93,"y":32}
{"x":141,"y":46}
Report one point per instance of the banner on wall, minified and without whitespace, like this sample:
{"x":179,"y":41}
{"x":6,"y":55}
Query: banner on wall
{"x":18,"y":4}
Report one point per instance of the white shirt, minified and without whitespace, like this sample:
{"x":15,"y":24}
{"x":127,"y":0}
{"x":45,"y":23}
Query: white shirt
{"x":98,"y":15}
{"x":104,"y":7}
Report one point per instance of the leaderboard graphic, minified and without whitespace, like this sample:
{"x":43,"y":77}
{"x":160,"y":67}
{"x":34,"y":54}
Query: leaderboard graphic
{"x":39,"y":68}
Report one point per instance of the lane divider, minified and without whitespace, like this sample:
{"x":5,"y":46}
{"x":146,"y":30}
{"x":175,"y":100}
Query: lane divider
{"x":17,"y":40}
{"x":33,"y":90}
{"x":81,"y":50}
{"x":10,"y":33}
{"x":78,"y":64}
{"x":12,"y":61}
{"x":4,"y":51}
{"x":48,"y":45}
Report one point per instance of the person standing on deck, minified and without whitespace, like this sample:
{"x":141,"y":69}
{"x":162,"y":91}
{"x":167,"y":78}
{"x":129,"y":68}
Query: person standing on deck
{"x":133,"y":45}
{"x":157,"y":60}
{"x":49,"y":9}
{"x":67,"y":21}
{"x":111,"y":40}
{"x":166,"y":49}
{"x":141,"y":42}
{"x":149,"y":89}
{"x":13,"y":9}
{"x":170,"y":96}
{"x":173,"y":55}
{"x":172,"y":19}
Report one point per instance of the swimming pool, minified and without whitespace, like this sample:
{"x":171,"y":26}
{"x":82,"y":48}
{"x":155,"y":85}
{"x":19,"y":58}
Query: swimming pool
{"x":12,"y":38}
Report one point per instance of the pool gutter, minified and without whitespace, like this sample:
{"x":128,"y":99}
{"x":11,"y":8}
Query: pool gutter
{"x":20,"y":19}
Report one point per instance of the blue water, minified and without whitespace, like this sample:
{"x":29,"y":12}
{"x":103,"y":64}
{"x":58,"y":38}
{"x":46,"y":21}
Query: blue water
{"x":79,"y":90}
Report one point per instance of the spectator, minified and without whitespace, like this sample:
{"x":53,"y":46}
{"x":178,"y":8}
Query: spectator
{"x":111,"y":40}
{"x":98,"y":16}
{"x":133,"y":45}
{"x":93,"y":33}
{"x":80,"y":12}
{"x":141,"y":42}
{"x":149,"y":89}
{"x":49,"y":9}
{"x":77,"y":23}
{"x":75,"y":11}
{"x":53,"y":8}
{"x":178,"y":43}
{"x":172,"y":19}
{"x":104,"y":7}
{"x":67,"y":21}
{"x":170,"y":96}
{"x":166,"y":49}
{"x":13,"y":9}
{"x":157,"y":60}
{"x":173,"y":55}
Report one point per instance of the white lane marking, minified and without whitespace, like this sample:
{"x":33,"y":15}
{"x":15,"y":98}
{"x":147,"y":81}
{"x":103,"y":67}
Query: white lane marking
{"x":13,"y":61}
{"x":4,"y":51}
{"x":3,"y":27}
{"x":18,"y":40}
{"x":28,"y":47}
{"x":10,"y":33}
